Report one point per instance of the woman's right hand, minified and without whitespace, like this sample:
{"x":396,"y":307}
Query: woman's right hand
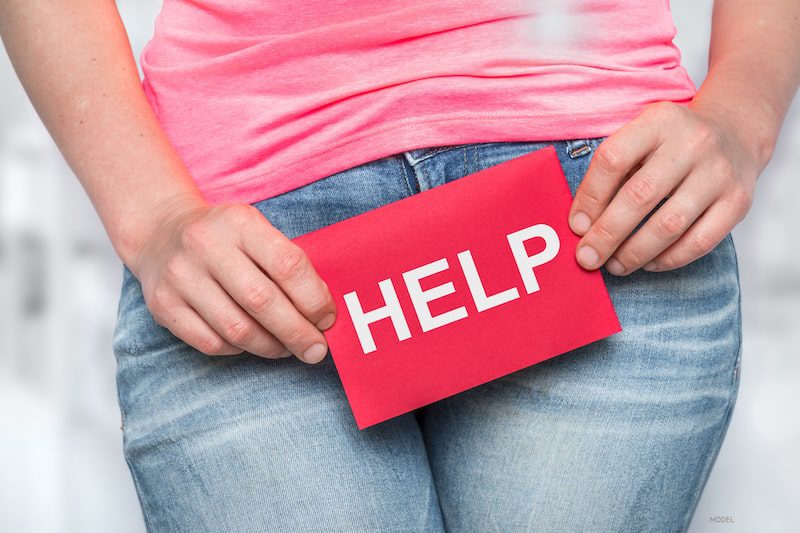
{"x":224,"y":280}
{"x":221,"y":278}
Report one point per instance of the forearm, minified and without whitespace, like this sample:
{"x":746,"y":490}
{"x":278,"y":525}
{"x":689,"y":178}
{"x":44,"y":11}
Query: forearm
{"x":754,"y":69}
{"x":74,"y":59}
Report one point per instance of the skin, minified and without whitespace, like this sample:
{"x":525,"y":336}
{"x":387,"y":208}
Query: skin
{"x":221,"y":278}
{"x":224,"y":280}
{"x":704,"y":159}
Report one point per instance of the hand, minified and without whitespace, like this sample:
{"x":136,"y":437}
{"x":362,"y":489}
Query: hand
{"x":685,"y":155}
{"x":224,"y":280}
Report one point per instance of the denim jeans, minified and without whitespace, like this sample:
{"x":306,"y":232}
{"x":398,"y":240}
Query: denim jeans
{"x":619,"y":435}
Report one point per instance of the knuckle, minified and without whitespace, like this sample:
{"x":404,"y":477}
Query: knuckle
{"x":290,"y":262}
{"x":667,"y":262}
{"x":196,"y":236}
{"x":276,"y":352}
{"x":702,"y":139}
{"x":157,"y":302}
{"x":320,"y":301}
{"x":671,"y":260}
{"x":175,"y":268}
{"x":259,"y":297}
{"x":671,"y":225}
{"x":239,"y":332}
{"x":297,"y":335}
{"x":239,"y":214}
{"x":589,"y":196}
{"x":211,"y":345}
{"x":742,"y":199}
{"x":702,"y":243}
{"x":723,"y":167}
{"x":628,"y":258}
{"x":608,"y":157}
{"x":603,"y":234}
{"x":640,"y":190}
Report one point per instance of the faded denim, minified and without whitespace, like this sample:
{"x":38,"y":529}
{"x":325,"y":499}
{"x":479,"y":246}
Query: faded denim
{"x":619,"y":435}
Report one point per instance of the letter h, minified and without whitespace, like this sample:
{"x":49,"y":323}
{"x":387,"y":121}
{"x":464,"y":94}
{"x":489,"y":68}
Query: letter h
{"x":362,"y":320}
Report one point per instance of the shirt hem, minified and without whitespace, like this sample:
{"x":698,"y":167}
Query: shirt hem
{"x":421,"y":132}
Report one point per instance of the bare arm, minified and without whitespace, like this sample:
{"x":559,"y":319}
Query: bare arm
{"x":201,"y":266}
{"x":76,"y":64}
{"x":705,"y":159}
{"x":754,"y":68}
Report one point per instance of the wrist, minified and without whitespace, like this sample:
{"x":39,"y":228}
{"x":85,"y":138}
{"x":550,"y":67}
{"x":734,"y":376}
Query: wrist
{"x":136,"y":230}
{"x":741,"y":114}
{"x":754,"y":139}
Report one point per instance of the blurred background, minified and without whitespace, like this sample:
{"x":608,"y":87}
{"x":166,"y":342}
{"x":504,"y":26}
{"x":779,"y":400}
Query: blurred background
{"x":61,"y":462}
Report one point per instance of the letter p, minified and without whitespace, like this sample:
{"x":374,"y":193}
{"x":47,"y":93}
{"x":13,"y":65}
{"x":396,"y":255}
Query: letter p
{"x":526,"y":263}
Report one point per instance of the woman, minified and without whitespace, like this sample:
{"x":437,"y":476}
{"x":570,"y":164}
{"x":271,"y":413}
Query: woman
{"x":258,"y":122}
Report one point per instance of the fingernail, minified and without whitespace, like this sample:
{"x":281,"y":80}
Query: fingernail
{"x":615,"y":267}
{"x":581,"y":222}
{"x":587,"y":256}
{"x":315,"y":353}
{"x":326,"y":322}
{"x":650,"y":266}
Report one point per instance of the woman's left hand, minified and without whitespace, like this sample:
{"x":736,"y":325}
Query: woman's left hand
{"x":704,"y":169}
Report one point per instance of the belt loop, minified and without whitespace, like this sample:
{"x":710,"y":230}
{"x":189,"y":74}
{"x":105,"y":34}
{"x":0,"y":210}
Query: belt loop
{"x":578,"y":147}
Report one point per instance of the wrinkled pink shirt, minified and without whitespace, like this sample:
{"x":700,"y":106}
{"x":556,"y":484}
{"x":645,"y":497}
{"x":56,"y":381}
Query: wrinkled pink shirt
{"x":260,"y":97}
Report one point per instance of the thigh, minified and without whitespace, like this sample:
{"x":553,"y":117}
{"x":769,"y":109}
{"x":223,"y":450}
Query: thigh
{"x":619,"y":435}
{"x":248,"y":444}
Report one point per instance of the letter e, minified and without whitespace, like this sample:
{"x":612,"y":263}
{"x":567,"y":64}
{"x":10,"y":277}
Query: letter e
{"x":421,"y":298}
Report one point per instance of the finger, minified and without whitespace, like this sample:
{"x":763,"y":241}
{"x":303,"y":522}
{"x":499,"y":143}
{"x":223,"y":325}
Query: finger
{"x":635,"y":199}
{"x":701,"y":238}
{"x":684,"y":206}
{"x":290,"y":268}
{"x":613,"y":160}
{"x":205,"y":295}
{"x":264,"y":304}
{"x":264,"y":301}
{"x":187,"y":325}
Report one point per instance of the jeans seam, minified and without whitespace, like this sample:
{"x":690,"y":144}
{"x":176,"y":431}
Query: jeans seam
{"x":723,"y":428}
{"x":710,"y":461}
{"x":146,"y":516}
{"x":737,"y":366}
{"x":148,"y":521}
{"x":412,"y":188}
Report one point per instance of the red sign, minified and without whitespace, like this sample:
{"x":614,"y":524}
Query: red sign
{"x":456,"y":286}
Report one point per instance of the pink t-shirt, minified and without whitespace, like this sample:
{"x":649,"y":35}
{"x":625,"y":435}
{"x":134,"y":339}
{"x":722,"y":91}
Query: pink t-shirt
{"x":260,"y":97}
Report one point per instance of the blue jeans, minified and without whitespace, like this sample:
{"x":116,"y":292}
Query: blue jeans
{"x":619,"y":435}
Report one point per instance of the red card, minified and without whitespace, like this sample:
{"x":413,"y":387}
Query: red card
{"x":456,"y":286}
